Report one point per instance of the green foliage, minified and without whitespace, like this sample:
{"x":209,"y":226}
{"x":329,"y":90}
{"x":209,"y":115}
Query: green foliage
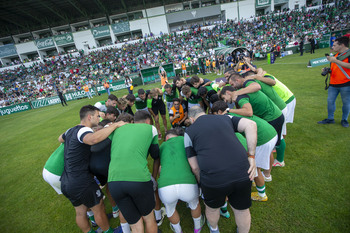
{"x":308,"y":195}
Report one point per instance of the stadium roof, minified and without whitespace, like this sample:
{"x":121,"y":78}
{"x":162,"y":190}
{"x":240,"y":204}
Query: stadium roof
{"x":20,"y":16}
{"x":229,"y":50}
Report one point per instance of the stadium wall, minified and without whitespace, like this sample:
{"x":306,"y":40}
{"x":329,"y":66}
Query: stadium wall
{"x":158,"y":24}
{"x":246,"y":9}
{"x":155,"y":11}
{"x":27,"y":47}
{"x":140,"y":24}
{"x":84,"y":36}
{"x":230,"y":10}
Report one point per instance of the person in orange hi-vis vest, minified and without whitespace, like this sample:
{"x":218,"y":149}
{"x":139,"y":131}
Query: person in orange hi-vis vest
{"x":87,"y":91}
{"x":163,"y":76}
{"x":106,"y":86}
{"x":339,"y":80}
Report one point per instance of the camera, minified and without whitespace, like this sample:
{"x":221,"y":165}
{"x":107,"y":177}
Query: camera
{"x":326,"y":71}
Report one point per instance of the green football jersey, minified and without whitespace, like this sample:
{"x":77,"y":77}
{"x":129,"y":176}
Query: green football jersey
{"x":170,"y":96}
{"x":262,"y":106}
{"x":129,"y":151}
{"x":270,"y":92}
{"x":55,"y":164}
{"x":142,"y":104}
{"x":282,"y":90}
{"x":242,"y":140}
{"x":266,"y":132}
{"x":175,"y":166}
{"x":194,"y":98}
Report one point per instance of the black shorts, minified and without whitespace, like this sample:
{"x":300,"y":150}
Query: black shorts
{"x":278,"y":124}
{"x":102,"y":179}
{"x":160,"y":107}
{"x":134,"y":199}
{"x":90,"y":197}
{"x":238,"y":193}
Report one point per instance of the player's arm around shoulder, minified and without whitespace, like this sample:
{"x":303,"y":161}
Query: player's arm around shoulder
{"x":268,"y":81}
{"x":94,"y":138}
{"x":245,"y":110}
{"x":253,"y":87}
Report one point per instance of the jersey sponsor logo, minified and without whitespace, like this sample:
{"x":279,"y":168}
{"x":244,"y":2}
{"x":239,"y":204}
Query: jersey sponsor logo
{"x":98,"y":193}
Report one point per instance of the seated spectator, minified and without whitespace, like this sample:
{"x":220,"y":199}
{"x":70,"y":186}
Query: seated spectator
{"x":178,"y":114}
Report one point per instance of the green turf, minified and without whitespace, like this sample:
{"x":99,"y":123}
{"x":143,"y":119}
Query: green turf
{"x":310,"y":194}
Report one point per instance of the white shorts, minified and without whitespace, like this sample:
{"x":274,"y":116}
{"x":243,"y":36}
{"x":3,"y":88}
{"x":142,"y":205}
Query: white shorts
{"x":284,"y":127}
{"x":192,"y":105}
{"x":291,"y":108}
{"x":184,"y":71}
{"x":169,"y":105}
{"x":263,"y":152}
{"x":53,"y":180}
{"x":144,"y":109}
{"x":169,"y":195}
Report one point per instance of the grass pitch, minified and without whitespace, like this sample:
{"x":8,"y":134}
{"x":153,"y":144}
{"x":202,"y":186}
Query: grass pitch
{"x":310,"y":194}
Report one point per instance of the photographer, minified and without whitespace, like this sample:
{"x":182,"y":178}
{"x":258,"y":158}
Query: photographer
{"x":339,"y":81}
{"x":245,"y":64}
{"x":178,"y":114}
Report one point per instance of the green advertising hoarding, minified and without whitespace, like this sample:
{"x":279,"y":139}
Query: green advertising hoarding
{"x":15,"y":108}
{"x":77,"y":94}
{"x":101,"y":31}
{"x":259,"y":3}
{"x":45,"y":102}
{"x":318,"y":62}
{"x":39,"y":103}
{"x":112,"y":87}
{"x":120,"y":27}
{"x":8,"y":50}
{"x":64,"y":39}
{"x":45,"y":43}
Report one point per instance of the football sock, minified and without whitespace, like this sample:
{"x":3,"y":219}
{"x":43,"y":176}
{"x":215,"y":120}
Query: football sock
{"x":177,"y":227}
{"x":261,"y":190}
{"x":110,"y":230}
{"x":197,"y":222}
{"x":158,"y":214}
{"x":224,"y":208}
{"x":214,"y":229}
{"x":91,"y":215}
{"x":125,"y":227}
{"x":280,"y":151}
{"x":115,"y":208}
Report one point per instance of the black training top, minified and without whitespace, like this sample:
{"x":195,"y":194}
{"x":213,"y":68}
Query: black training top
{"x":221,"y":157}
{"x":129,"y":110}
{"x":100,"y":158}
{"x":77,"y":154}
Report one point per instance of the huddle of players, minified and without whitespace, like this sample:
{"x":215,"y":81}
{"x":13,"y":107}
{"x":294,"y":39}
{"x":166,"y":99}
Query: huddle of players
{"x":193,"y":91}
{"x":131,"y":186}
{"x":257,"y":96}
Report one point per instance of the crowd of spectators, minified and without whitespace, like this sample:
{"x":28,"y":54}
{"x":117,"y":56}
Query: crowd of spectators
{"x":259,"y":35}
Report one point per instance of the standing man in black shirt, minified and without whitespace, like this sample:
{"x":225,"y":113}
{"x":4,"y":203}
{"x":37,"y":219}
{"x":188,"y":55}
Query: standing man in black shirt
{"x":60,"y":95}
{"x":301,"y":46}
{"x":221,"y":165}
{"x":77,"y":183}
